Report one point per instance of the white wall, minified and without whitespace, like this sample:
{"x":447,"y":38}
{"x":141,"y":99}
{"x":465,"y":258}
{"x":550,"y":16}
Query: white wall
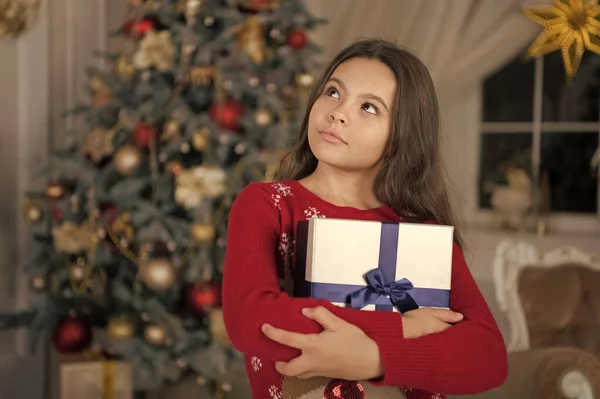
{"x":41,"y":75}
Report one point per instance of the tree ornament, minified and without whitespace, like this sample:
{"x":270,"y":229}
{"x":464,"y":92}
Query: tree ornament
{"x":125,"y":68}
{"x":305,"y":80}
{"x":156,"y":50}
{"x":203,"y":297}
{"x":263,"y":117}
{"x":123,"y":227}
{"x":97,"y":84}
{"x":139,"y":28}
{"x":71,"y":238}
{"x":33,"y":210}
{"x":127,"y":159}
{"x":194,"y":185}
{"x":251,"y":38}
{"x":72,"y":334}
{"x":143,"y":134}
{"x":158,"y":274}
{"x":201,"y":139}
{"x":55,"y":191}
{"x":202,"y":233}
{"x":38,"y":282}
{"x":202,"y":75}
{"x":77,"y":272}
{"x":171,"y":131}
{"x":174,"y":167}
{"x":120,"y":328}
{"x":155,"y":335}
{"x":571,"y":26}
{"x":98,"y":144}
{"x":227,"y":115}
{"x":297,"y":39}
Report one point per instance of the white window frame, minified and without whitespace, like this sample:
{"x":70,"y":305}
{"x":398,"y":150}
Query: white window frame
{"x":559,"y":222}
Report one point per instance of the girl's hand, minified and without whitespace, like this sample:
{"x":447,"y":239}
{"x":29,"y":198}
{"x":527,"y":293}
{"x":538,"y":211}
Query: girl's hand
{"x":424,"y":321}
{"x":342,"y":350}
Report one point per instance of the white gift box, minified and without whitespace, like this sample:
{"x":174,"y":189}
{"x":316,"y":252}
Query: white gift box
{"x":96,"y":380}
{"x":373,"y":265}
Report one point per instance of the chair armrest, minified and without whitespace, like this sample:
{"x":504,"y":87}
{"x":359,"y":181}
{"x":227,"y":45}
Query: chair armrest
{"x":553,"y":373}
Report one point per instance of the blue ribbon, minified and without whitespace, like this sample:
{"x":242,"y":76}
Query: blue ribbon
{"x":382,"y":290}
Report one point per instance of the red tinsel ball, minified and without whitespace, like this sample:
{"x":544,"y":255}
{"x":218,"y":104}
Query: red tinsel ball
{"x":202,"y":297}
{"x":72,"y":335}
{"x":297,"y":39}
{"x":338,"y":389}
{"x":142,"y":134}
{"x":139,"y":28}
{"x":227,"y":115}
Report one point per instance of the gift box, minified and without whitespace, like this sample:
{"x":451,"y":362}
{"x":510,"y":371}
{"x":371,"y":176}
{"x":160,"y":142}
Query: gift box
{"x":103,"y":379}
{"x":372,"y":265}
{"x":369,"y":265}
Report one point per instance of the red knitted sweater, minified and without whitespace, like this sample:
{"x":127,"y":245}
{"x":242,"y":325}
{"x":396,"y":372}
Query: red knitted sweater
{"x":468,"y":358}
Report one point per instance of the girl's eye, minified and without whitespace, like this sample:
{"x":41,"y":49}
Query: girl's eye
{"x":370,"y":108}
{"x":332,"y":92}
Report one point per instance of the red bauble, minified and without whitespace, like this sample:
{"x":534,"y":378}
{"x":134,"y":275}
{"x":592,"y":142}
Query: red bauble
{"x":139,"y":28}
{"x":57,"y":214}
{"x":143,"y":134}
{"x":297,"y":39}
{"x":227,"y":115}
{"x":72,"y":335}
{"x":202,"y":297}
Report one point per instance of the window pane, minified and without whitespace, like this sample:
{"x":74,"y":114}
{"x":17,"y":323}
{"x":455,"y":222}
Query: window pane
{"x":499,"y":152}
{"x":508,"y":94}
{"x":566,"y":159}
{"x":575,"y":101}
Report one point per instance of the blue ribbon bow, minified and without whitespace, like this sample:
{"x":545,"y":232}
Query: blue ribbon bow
{"x":396,"y":291}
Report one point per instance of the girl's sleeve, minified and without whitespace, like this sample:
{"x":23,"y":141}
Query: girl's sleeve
{"x":467,"y":358}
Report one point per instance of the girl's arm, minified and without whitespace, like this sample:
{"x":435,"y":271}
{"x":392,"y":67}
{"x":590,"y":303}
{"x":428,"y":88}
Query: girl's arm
{"x":467,"y":358}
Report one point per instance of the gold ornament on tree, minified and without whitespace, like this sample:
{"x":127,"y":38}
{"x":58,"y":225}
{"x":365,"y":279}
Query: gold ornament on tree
{"x":158,"y":274}
{"x":250,"y":37}
{"x":202,"y":233}
{"x":217,"y":327}
{"x":17,"y":16}
{"x":201,"y":139}
{"x":70,"y":238}
{"x":55,"y":191}
{"x":33,"y":210}
{"x":123,"y":227}
{"x":171,"y":131}
{"x":263,"y":117}
{"x":127,"y":159}
{"x":98,"y":144}
{"x":194,"y":185}
{"x":120,"y":328}
{"x":202,"y":75}
{"x":155,"y":335}
{"x":125,"y":68}
{"x":569,"y":25}
{"x":156,"y":50}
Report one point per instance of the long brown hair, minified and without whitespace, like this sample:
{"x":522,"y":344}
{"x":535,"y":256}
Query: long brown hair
{"x":411,"y":179}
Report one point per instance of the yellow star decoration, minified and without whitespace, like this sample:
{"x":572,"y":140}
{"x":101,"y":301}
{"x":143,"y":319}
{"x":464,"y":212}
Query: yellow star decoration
{"x":571,"y":26}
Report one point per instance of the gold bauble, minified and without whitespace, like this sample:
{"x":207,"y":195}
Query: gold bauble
{"x":38,"y":282}
{"x":156,"y":335}
{"x":263,"y":117}
{"x":158,"y":274}
{"x":33,"y":210}
{"x":171,"y":131}
{"x":202,"y":233}
{"x":55,"y":191}
{"x":77,"y":272}
{"x":201,"y":139}
{"x":120,"y":328}
{"x":127,"y":159}
{"x":97,"y":84}
{"x":125,"y":68}
{"x":217,"y":327}
{"x":305,"y":80}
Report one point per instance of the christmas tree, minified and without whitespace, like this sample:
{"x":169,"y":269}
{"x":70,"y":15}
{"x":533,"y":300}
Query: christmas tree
{"x":201,"y":99}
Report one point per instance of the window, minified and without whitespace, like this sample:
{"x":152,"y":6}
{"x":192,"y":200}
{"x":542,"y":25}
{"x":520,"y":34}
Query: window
{"x":550,"y":130}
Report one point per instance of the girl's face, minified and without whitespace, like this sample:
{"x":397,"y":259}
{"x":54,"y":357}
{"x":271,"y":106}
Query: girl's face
{"x":349,"y":124}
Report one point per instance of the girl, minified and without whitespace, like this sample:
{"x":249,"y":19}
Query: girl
{"x":368,"y":150}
